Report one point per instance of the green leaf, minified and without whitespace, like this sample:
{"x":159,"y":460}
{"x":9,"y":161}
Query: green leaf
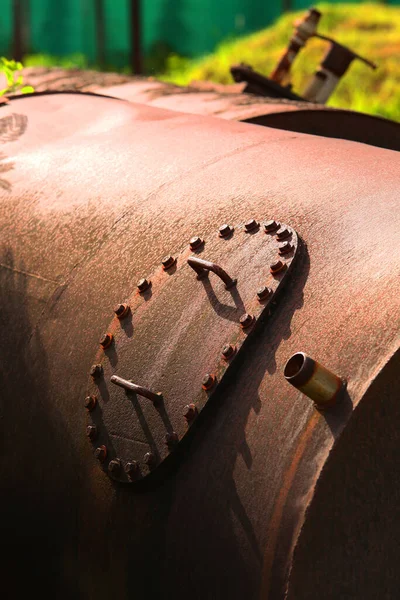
{"x":27,"y":89}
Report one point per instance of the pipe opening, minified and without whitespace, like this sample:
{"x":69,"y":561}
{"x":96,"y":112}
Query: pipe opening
{"x":294,"y":365}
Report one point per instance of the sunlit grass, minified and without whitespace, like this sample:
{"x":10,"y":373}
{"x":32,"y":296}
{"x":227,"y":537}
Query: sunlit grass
{"x":372,"y":30}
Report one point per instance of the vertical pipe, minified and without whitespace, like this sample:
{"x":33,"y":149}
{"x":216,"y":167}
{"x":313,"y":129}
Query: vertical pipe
{"x":100,"y":33}
{"x":136,"y":53}
{"x":18,"y":30}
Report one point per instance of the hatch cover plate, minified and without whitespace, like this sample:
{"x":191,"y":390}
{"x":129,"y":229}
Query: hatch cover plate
{"x":173,"y":335}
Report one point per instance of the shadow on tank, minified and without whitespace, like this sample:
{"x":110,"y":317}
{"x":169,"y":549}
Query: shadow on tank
{"x":36,"y":526}
{"x":211,"y":544}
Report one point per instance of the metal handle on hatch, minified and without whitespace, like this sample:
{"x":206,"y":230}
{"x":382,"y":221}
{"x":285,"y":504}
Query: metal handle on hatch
{"x":202,"y":267}
{"x":138,"y":389}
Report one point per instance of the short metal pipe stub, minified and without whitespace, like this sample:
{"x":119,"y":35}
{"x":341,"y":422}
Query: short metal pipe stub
{"x":314,"y":380}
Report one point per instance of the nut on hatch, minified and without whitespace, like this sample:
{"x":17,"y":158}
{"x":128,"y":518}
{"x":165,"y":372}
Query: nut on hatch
{"x":283,"y":233}
{"x":246,"y":321}
{"x":225,"y":230}
{"x":168,"y":262}
{"x":91,"y":432}
{"x":171,"y":439}
{"x":251,"y":225}
{"x":121,"y":310}
{"x":101,"y":453}
{"x":228,"y":351}
{"x":196,"y":243}
{"x":285,"y":248}
{"x":149,"y":459}
{"x":106,"y":340}
{"x":208,"y":381}
{"x":90,"y":402}
{"x":271,"y":226}
{"x":277,"y":267}
{"x":132,"y":468}
{"x":264,"y":293}
{"x":96,"y":371}
{"x":190,"y":412}
{"x":143,"y":285}
{"x":114,"y":466}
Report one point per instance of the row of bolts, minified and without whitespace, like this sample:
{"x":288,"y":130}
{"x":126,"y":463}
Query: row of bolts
{"x":132,"y":468}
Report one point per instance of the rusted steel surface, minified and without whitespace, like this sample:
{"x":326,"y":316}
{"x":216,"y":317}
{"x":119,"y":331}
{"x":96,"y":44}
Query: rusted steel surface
{"x":194,"y":319}
{"x":306,"y":117}
{"x":94,"y":193}
{"x":226,"y":102}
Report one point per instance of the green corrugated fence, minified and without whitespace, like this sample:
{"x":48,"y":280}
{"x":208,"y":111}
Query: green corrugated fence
{"x":187,"y":27}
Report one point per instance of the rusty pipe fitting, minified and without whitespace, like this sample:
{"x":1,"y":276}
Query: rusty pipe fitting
{"x":313,"y":380}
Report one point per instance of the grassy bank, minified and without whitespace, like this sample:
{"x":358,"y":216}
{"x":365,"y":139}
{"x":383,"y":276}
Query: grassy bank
{"x":372,"y":30}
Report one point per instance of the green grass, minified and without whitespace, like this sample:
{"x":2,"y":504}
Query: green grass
{"x":72,"y":61}
{"x":371,"y":30}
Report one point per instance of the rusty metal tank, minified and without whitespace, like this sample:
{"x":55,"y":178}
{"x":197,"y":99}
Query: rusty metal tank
{"x":224,"y":101}
{"x":164,"y":278}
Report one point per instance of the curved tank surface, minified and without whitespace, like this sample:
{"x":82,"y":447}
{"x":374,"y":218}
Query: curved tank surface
{"x":158,"y":272}
{"x":226,"y":102}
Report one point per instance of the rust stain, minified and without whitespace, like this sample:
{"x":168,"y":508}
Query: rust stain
{"x":275,"y":522}
{"x":27,"y":274}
